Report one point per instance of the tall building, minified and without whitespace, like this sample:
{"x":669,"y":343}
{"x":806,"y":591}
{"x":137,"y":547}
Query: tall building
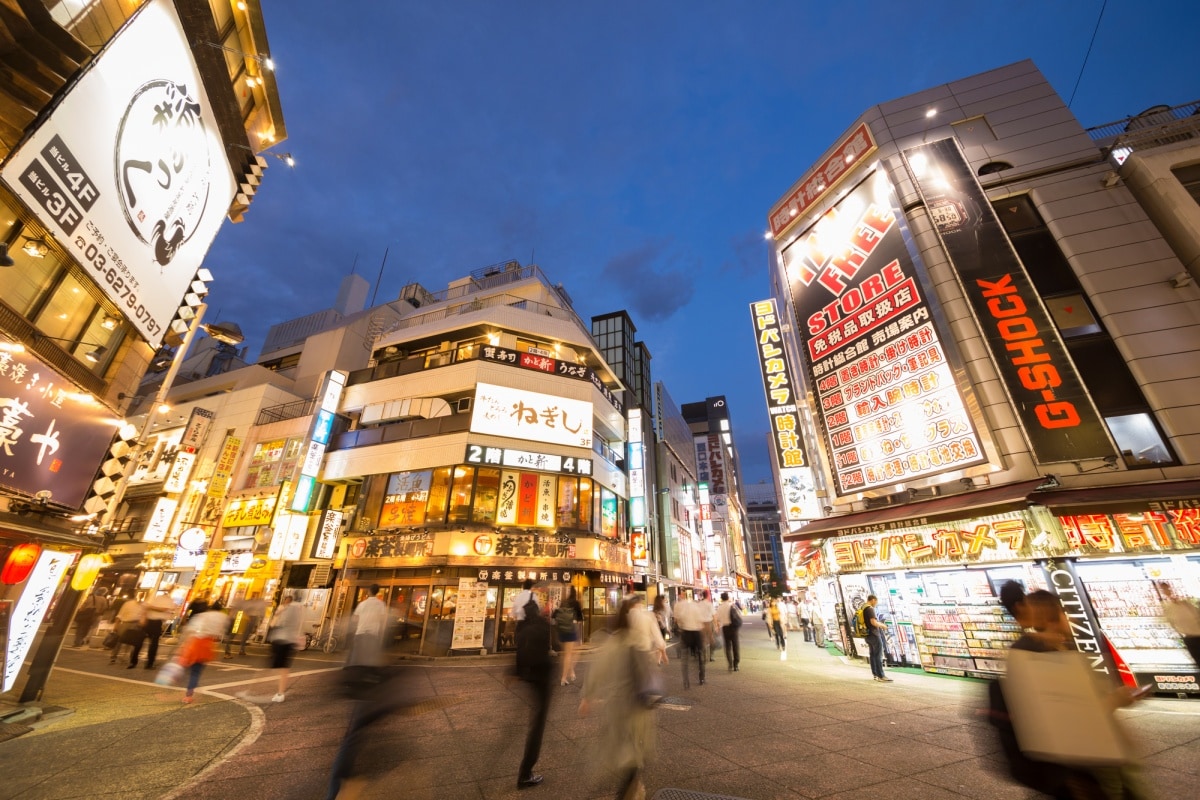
{"x":763,"y":531}
{"x":678,"y":491}
{"x":486,"y":447}
{"x":991,"y":311}
{"x":118,"y":171}
{"x":722,"y":509}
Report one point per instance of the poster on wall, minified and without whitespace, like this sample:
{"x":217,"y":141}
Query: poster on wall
{"x":884,"y":371}
{"x":1055,"y":409}
{"x":129,"y":173}
{"x":470,"y":615}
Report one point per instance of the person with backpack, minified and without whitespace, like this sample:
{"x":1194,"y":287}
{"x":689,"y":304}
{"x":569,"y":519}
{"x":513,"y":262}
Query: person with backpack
{"x":729,"y":617}
{"x":568,"y":613}
{"x":867,"y":625}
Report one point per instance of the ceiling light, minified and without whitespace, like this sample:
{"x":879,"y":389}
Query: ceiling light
{"x":930,"y":113}
{"x":163,"y":408}
{"x":36,"y":248}
{"x":109,"y":323}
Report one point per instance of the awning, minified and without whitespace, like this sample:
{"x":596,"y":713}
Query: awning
{"x":994,"y":499}
{"x":1127,"y":498}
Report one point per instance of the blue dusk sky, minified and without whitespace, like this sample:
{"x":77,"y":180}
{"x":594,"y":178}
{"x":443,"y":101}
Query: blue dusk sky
{"x":630,"y":149}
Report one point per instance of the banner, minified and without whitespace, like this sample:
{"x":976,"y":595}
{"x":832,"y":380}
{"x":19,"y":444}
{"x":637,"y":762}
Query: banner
{"x":1055,"y":409}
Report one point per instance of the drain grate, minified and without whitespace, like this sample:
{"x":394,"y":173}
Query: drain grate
{"x":688,"y":794}
{"x":670,"y":703}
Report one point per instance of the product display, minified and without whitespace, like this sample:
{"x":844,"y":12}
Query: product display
{"x":965,"y":638}
{"x":1131,"y":615}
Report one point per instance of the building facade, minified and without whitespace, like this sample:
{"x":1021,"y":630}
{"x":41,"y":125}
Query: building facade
{"x":991,"y":311}
{"x":764,"y":531}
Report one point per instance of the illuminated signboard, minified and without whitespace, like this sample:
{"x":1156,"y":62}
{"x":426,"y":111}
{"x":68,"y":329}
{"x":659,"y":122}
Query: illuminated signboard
{"x":181,"y":468}
{"x":196,"y":431}
{"x":637,"y":469}
{"x":129,"y":171}
{"x":552,"y":366}
{"x":318,"y":439}
{"x":219,"y":484}
{"x":31,"y":607}
{"x":326,"y":544}
{"x":800,"y":501}
{"x":52,"y":436}
{"x":888,"y":401}
{"x":821,"y":180}
{"x":523,"y":459}
{"x":637,"y":547}
{"x":521,"y":414}
{"x":1049,"y":398}
{"x":247,"y":511}
{"x":160,"y":520}
{"x":996,"y":538}
{"x":405,"y":499}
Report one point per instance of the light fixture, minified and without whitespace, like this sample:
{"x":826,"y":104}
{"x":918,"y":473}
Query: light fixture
{"x":264,"y":61}
{"x":109,"y":323}
{"x":94,"y":356}
{"x":21,"y":561}
{"x":5,"y":258}
{"x":931,"y":113}
{"x":35,"y":247}
{"x":225,"y":332}
{"x":266,"y":137}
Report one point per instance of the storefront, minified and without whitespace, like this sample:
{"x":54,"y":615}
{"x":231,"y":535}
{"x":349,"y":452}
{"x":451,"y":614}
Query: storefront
{"x":938,"y":577}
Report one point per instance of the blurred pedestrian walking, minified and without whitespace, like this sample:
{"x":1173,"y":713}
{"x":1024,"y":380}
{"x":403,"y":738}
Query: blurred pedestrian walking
{"x":88,"y":613}
{"x":370,"y":620}
{"x":775,"y":622}
{"x":534,"y":667}
{"x":566,"y":621}
{"x":662,"y":614}
{"x":646,"y":635}
{"x":517,"y":610}
{"x":627,"y":727}
{"x":708,"y":624}
{"x":283,"y":636}
{"x":129,"y":621}
{"x":1184,"y":616}
{"x":204,"y":629}
{"x":689,"y":617}
{"x":729,"y":617}
{"x":159,"y":610}
{"x":252,"y":609}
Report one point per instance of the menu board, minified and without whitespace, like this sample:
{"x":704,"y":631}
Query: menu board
{"x":470,"y":615}
{"x":887,"y":399}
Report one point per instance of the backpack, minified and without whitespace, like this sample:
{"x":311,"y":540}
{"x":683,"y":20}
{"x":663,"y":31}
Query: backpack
{"x":564,"y":618}
{"x":860,"y":622}
{"x":735,"y":617}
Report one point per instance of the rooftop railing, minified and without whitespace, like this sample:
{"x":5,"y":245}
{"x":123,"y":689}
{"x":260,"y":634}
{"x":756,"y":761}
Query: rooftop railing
{"x":1154,"y":127}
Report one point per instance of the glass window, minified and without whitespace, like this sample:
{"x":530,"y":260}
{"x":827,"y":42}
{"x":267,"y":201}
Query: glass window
{"x":469,"y":349}
{"x":439,"y":495}
{"x":487,"y":490}
{"x":1139,"y":440}
{"x":25,"y":284}
{"x":568,"y":502}
{"x":404,"y":499}
{"x":460,"y":494}
{"x":370,"y":501}
{"x":1073,"y":315}
{"x":1106,"y":375}
{"x":586,"y":515}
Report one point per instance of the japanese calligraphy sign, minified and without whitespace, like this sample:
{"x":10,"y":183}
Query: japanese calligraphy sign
{"x":1055,"y":409}
{"x":160,"y":520}
{"x":52,"y":437}
{"x":888,"y":399}
{"x":519,"y":575}
{"x":326,"y":544}
{"x":318,"y":439}
{"x":31,"y":608}
{"x":396,"y":545}
{"x":405,"y":499}
{"x":129,"y":171}
{"x":532,"y":416}
{"x":197,"y":429}
{"x":219,"y":484}
{"x":821,"y":180}
{"x":523,"y":459}
{"x":1001,"y":538}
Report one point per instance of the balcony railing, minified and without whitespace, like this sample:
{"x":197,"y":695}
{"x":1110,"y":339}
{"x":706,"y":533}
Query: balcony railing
{"x":1155,"y":127}
{"x":400,"y":431}
{"x":292,"y":410}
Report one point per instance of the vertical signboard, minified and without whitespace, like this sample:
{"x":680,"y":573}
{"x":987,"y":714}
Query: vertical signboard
{"x":31,"y":608}
{"x":326,"y":543}
{"x":887,"y":399}
{"x":129,"y":173}
{"x":160,"y":520}
{"x":1055,"y":409}
{"x":219,"y":484}
{"x":318,"y":440}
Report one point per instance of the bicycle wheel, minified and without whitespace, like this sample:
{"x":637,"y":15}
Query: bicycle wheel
{"x":330,"y":644}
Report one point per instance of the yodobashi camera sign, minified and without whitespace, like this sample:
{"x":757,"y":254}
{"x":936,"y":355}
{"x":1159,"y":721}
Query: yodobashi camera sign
{"x":128,"y":173}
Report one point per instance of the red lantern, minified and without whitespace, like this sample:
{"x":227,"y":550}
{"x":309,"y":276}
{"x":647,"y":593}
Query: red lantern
{"x":20,"y":563}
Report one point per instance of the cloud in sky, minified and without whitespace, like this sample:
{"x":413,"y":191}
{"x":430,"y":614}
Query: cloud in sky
{"x":652,"y":281}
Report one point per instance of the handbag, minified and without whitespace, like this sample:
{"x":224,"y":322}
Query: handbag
{"x":170,"y":674}
{"x":649,"y":688}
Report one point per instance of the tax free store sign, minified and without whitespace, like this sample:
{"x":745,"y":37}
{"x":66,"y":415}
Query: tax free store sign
{"x":128,"y":173}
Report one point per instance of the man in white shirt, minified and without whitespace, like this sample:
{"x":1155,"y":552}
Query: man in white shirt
{"x":129,"y":628}
{"x":517,"y":610}
{"x":690,"y":619}
{"x":370,"y":626}
{"x":707,"y":631}
{"x":644,"y":627}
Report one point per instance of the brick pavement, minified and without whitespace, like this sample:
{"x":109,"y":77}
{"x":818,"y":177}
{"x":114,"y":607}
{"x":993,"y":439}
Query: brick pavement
{"x":810,"y":726}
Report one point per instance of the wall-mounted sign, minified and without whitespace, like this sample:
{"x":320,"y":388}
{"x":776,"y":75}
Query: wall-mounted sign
{"x":405,"y":499}
{"x":782,"y":401}
{"x":1055,"y":409}
{"x":541,"y":363}
{"x":983,"y":539}
{"x":180,"y":471}
{"x":524,"y":459}
{"x":391,"y":545}
{"x":327,"y":534}
{"x":637,"y":548}
{"x":318,"y":439}
{"x":845,"y":157}
{"x":219,"y":484}
{"x":637,"y":469}
{"x":31,"y":607}
{"x":888,"y":402}
{"x":196,"y":430}
{"x":52,"y":436}
{"x":252,"y":510}
{"x":531,"y":416}
{"x":129,"y":172}
{"x":160,"y":520}
{"x":534,"y":574}
{"x":193,"y":539}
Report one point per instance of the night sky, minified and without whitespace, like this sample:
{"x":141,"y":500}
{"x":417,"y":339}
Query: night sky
{"x":630,"y":149}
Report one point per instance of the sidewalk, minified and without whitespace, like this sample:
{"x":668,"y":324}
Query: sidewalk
{"x":811,"y":726}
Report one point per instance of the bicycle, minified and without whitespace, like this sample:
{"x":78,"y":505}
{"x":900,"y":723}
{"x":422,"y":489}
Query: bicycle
{"x":325,"y":639}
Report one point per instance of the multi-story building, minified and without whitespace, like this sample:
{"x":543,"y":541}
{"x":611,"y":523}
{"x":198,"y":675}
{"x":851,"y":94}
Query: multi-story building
{"x":487,"y":447}
{"x":678,"y":491}
{"x":763,"y":529}
{"x":992,"y":311}
{"x":117,"y":172}
{"x":722,"y":511}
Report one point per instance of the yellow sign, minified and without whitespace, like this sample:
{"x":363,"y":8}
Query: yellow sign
{"x":245,"y":512}
{"x":208,"y":573}
{"x":224,"y":468}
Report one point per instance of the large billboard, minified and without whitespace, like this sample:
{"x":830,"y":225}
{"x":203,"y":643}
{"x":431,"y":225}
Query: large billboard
{"x":128,"y":172}
{"x":532,"y":416}
{"x":888,"y":401}
{"x":52,"y":436}
{"x":1055,"y":409}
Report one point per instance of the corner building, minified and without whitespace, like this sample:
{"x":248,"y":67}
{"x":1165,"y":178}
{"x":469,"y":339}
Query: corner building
{"x":992,"y":313}
{"x":486,"y":447}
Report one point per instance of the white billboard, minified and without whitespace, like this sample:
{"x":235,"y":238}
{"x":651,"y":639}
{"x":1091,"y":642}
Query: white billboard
{"x":532,"y":416}
{"x":129,"y":173}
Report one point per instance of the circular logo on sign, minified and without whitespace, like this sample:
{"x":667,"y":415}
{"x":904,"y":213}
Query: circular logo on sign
{"x":192,"y":539}
{"x":163,"y":166}
{"x":483,"y":544}
{"x":359,"y":548}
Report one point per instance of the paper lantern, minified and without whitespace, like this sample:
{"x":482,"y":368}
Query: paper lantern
{"x":20,"y":563}
{"x":89,"y":567}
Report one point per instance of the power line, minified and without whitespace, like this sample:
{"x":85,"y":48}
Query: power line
{"x":1088,"y":53}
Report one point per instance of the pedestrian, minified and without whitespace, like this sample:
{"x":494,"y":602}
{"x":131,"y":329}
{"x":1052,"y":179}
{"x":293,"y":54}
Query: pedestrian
{"x":129,"y":621}
{"x":159,"y":610}
{"x":627,"y":727}
{"x":370,"y":626}
{"x":729,"y":617}
{"x":793,"y":615}
{"x":874,"y":637}
{"x":252,"y":609}
{"x":662,"y":614}
{"x":1184,"y":617}
{"x":566,"y":620}
{"x":708,"y":624}
{"x":644,"y":626}
{"x":534,"y":667}
{"x":517,"y":610}
{"x":775,"y":623}
{"x":203,"y":630}
{"x":689,"y":617}
{"x":89,"y":611}
{"x":283,"y":635}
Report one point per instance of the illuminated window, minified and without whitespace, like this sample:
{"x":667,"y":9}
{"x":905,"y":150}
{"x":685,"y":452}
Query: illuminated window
{"x":487,"y":491}
{"x":460,"y":494}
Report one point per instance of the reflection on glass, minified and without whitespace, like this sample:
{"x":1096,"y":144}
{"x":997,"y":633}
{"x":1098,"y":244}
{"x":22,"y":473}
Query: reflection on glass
{"x":586,"y":514}
{"x":439,"y":495}
{"x":487,"y":486}
{"x":1138,"y":439}
{"x":460,"y":494}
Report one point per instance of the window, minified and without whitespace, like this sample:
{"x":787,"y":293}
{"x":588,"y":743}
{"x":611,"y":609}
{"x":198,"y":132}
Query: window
{"x":1189,"y":176}
{"x":487,"y":491}
{"x":460,"y":494}
{"x":439,"y":495}
{"x":567,"y":514}
{"x":1139,"y":440}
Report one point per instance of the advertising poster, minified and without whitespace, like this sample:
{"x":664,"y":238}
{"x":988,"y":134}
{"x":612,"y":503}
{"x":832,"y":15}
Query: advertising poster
{"x":887,"y":399}
{"x":1050,"y":400}
{"x":406,"y":498}
{"x":470,"y":615}
{"x":128,"y":173}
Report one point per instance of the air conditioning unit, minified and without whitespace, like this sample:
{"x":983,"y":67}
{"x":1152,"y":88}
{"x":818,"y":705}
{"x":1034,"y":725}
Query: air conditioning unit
{"x":464,"y":405}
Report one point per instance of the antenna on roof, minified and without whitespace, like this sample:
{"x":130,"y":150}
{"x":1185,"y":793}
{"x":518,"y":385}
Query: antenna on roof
{"x":380,"y":278}
{"x":354,"y":266}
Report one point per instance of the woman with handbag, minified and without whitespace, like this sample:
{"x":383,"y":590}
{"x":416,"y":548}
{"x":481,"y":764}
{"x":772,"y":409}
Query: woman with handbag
{"x":203,"y":630}
{"x":625,"y":680}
